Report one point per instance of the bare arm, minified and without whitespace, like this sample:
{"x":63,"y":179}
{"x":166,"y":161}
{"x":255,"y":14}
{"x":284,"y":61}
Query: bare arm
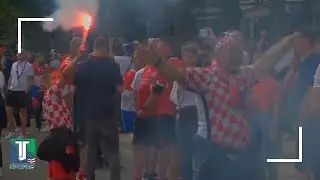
{"x":172,"y":73}
{"x":67,"y":71}
{"x":166,"y":69}
{"x":9,"y":82}
{"x":274,"y":54}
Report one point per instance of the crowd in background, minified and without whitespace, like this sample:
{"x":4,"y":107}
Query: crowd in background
{"x":210,"y":110}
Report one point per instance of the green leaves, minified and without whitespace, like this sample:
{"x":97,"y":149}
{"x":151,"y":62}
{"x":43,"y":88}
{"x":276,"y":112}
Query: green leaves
{"x":11,"y":10}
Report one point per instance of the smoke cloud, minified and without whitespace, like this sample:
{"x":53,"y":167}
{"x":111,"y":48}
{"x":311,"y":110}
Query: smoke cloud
{"x":67,"y":15}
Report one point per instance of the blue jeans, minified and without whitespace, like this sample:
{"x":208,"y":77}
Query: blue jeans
{"x":260,"y":126}
{"x":212,"y":162}
{"x":186,"y":127}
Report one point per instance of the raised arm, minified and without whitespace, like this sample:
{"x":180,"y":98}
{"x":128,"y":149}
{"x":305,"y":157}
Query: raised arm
{"x":268,"y":60}
{"x":197,"y":79}
{"x":70,"y":68}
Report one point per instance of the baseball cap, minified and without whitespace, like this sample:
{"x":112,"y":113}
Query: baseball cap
{"x":128,"y":49}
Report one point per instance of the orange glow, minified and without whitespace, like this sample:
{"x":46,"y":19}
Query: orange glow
{"x":86,"y":21}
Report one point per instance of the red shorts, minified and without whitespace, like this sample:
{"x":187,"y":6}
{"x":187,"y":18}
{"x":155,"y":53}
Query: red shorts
{"x":56,"y":170}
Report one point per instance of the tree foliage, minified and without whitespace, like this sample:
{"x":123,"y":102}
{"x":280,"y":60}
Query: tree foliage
{"x":11,"y":10}
{"x":8,"y":20}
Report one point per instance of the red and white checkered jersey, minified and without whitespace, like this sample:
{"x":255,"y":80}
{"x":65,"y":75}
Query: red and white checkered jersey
{"x":55,"y":110}
{"x":222,"y":91}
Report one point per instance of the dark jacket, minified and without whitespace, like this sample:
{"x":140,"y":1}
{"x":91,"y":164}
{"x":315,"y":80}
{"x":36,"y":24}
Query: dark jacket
{"x":54,"y":148}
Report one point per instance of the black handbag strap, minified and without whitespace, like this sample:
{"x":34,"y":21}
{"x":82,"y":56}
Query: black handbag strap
{"x":206,"y":111}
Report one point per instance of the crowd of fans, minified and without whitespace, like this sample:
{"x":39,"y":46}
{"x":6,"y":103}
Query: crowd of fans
{"x":215,"y":111}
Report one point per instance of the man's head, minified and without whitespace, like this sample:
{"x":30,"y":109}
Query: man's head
{"x":128,"y":49}
{"x":165,"y":49}
{"x":23,"y":56}
{"x":75,"y":44}
{"x":229,"y":50}
{"x":116,"y":47}
{"x":305,"y":42}
{"x":135,"y":45}
{"x":100,"y":46}
{"x":138,"y":62}
{"x":189,"y":54}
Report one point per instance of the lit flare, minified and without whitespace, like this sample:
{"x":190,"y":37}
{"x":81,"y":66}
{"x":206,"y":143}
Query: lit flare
{"x":86,"y":21}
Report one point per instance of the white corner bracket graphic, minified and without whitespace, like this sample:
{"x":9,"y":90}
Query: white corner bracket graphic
{"x":20,"y":20}
{"x":299,"y":160}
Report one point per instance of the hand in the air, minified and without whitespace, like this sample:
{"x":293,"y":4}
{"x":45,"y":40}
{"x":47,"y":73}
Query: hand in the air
{"x":81,"y":51}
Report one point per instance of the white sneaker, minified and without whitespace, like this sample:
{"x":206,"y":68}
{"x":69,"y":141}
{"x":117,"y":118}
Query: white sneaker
{"x":1,"y":172}
{"x":11,"y":135}
{"x":45,"y":129}
{"x":21,"y":136}
{"x":17,"y":129}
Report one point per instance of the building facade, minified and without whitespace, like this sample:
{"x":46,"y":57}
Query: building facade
{"x":277,"y":16}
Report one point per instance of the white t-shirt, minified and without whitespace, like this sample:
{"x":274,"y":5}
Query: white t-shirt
{"x":285,"y":61}
{"x":317,"y":78}
{"x":127,"y":100}
{"x":183,"y":98}
{"x":124,"y":63}
{"x":246,"y":58}
{"x":20,"y":73}
{"x":137,"y":79}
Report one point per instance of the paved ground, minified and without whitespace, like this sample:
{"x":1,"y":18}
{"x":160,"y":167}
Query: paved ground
{"x":39,"y":173}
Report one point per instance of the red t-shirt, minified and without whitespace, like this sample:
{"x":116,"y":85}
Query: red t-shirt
{"x":144,"y":90}
{"x":164,"y":105}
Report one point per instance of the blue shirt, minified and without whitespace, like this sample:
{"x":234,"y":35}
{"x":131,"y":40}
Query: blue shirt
{"x":97,"y":80}
{"x":305,"y":79}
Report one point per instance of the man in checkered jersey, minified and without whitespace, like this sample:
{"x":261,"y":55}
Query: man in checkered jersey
{"x":223,"y":85}
{"x":57,"y":114}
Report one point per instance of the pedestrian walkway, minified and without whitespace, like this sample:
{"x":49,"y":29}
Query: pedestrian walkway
{"x":40,"y":171}
{"x":286,"y":170}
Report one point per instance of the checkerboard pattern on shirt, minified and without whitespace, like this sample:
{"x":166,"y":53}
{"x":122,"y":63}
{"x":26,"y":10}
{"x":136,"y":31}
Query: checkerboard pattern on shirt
{"x":55,"y":110}
{"x":229,"y":125}
{"x":43,"y":87}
